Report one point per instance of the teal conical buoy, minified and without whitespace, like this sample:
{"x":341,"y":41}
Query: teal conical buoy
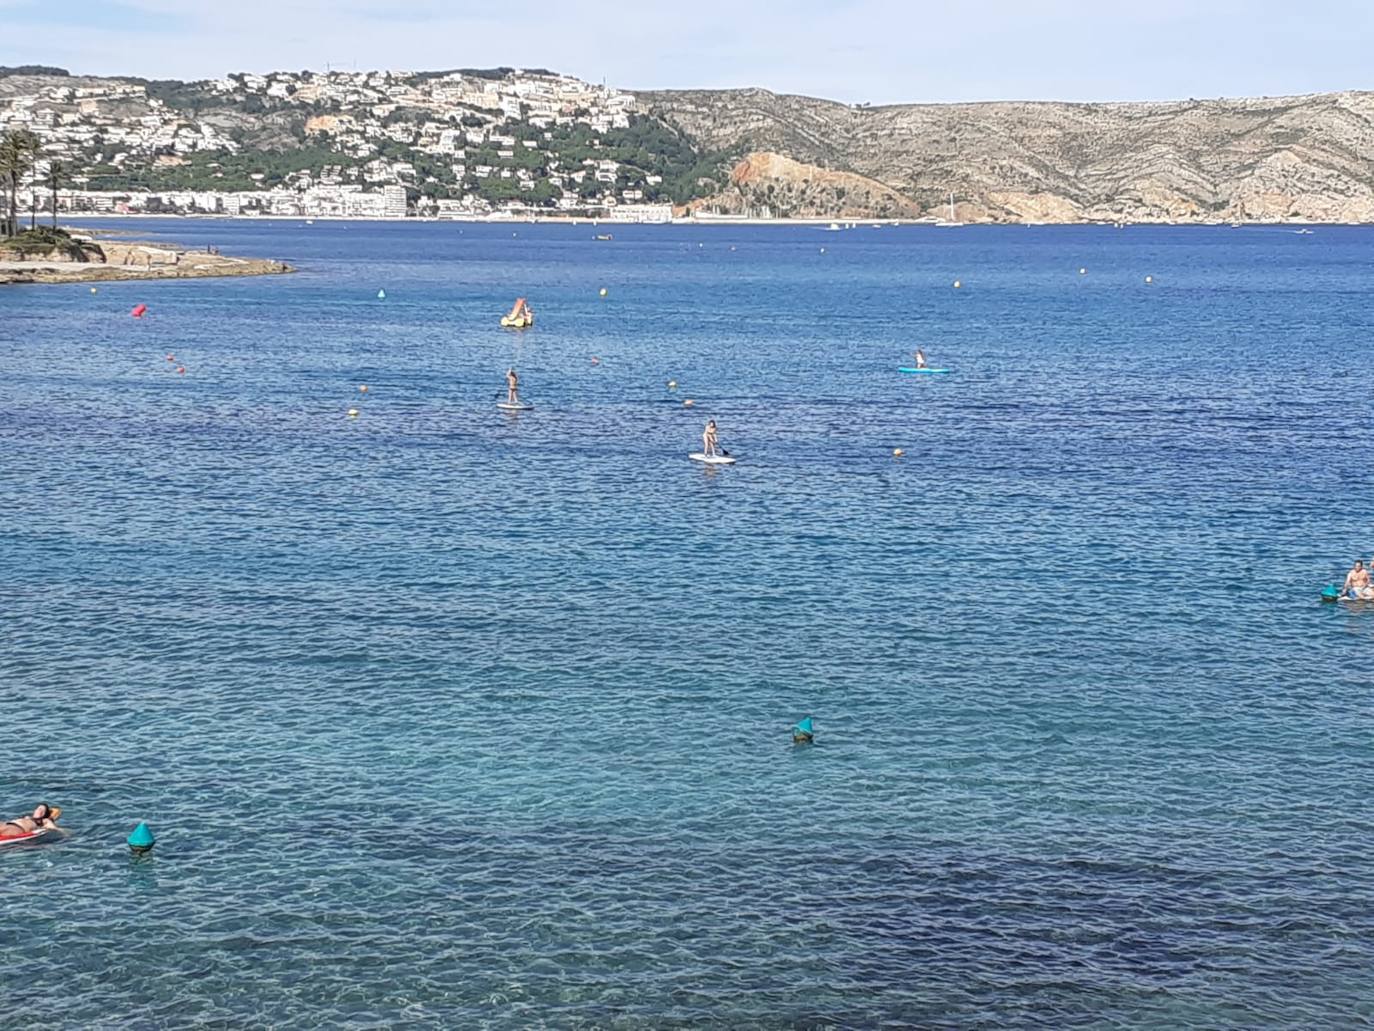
{"x":1331,"y":592}
{"x":381,"y":295}
{"x":803,"y":732}
{"x":141,"y":838}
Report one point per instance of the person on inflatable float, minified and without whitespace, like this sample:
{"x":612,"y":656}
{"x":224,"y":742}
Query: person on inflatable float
{"x":44,"y":818}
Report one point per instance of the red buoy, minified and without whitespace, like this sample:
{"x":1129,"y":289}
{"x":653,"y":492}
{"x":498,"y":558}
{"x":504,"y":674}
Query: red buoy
{"x":181,"y":370}
{"x":138,"y":311}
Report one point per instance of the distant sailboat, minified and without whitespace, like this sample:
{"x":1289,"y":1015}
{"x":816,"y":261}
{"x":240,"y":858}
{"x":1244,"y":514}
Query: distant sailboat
{"x":951,"y":221}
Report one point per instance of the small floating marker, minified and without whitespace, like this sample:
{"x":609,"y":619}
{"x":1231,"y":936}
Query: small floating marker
{"x":1331,"y":593}
{"x":803,"y":733}
{"x":1082,"y":272}
{"x":688,"y":403}
{"x":672,"y":384}
{"x":181,"y":370}
{"x":381,"y":295}
{"x":822,"y":250}
{"x":94,"y":290}
{"x":897,"y":452}
{"x":362,"y":388}
{"x":353,"y":413}
{"x":603,"y":291}
{"x":596,"y":360}
{"x":957,"y":284}
{"x":171,"y":357}
{"x":732,"y":248}
{"x":141,"y":839}
{"x":139,"y":311}
{"x":1149,"y":279}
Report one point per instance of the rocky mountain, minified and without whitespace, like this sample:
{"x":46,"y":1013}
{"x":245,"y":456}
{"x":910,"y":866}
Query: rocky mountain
{"x":1307,"y":157}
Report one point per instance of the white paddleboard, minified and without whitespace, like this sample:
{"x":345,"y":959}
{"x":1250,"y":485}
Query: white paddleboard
{"x":700,"y":456}
{"x":518,"y":406}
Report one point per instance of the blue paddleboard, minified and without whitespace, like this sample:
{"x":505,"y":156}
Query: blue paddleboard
{"x":907,"y":368}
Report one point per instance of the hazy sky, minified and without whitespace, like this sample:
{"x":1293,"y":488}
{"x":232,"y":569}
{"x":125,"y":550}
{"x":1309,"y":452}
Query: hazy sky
{"x":882,"y":51}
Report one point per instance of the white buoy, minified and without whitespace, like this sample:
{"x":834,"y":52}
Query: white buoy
{"x":381,"y":295}
{"x":957,"y":284}
{"x":1082,"y":272}
{"x":603,"y":291}
{"x":362,"y":388}
{"x":353,"y":413}
{"x":1149,"y":279}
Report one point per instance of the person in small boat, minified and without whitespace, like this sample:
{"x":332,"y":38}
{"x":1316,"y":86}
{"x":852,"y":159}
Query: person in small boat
{"x":44,"y":817}
{"x":710,"y":445}
{"x":919,"y":358}
{"x":512,"y":387}
{"x":1357,"y":583}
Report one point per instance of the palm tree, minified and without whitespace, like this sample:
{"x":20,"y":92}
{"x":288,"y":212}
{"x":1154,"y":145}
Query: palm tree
{"x":57,"y":171}
{"x":33,"y":149}
{"x":9,"y":179}
{"x":17,"y":150}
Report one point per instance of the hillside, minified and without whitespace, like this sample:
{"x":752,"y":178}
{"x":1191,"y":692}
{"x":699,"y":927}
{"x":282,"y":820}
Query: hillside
{"x":481,"y":139}
{"x":1309,"y":157}
{"x":507,"y":141}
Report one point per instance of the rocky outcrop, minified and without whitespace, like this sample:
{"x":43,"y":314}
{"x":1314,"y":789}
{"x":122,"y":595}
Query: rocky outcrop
{"x":120,"y":260}
{"x":787,"y":188}
{"x":1309,"y":157}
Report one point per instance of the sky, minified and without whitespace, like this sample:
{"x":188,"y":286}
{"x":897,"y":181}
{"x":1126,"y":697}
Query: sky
{"x":876,"y":51}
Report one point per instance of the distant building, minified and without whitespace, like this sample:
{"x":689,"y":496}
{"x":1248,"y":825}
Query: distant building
{"x":393,"y":201}
{"x":642,"y":212}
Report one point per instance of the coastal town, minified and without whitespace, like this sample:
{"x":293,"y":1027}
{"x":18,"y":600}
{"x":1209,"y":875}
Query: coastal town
{"x":378,"y":144}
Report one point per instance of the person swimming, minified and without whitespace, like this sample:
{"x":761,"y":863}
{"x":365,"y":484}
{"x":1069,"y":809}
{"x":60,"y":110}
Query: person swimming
{"x":1357,"y":585}
{"x":710,"y":444}
{"x":919,"y":358}
{"x":512,"y":387}
{"x":43,"y":818}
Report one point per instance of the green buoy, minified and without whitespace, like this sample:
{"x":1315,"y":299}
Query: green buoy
{"x":803,"y":733}
{"x":141,"y":839}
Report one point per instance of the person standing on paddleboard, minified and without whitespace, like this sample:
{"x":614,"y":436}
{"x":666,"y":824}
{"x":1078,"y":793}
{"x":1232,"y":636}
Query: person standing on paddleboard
{"x":512,"y":387}
{"x":710,"y":446}
{"x":920,"y":358}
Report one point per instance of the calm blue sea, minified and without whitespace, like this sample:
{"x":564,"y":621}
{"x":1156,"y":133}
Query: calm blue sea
{"x":448,"y":717}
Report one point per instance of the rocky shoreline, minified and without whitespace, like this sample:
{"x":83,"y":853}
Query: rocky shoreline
{"x":108,"y":261}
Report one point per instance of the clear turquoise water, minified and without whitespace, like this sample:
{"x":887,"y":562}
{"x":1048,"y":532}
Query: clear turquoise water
{"x":454,"y":718}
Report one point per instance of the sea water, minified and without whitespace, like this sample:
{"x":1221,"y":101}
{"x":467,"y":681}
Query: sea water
{"x":446,"y":716}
